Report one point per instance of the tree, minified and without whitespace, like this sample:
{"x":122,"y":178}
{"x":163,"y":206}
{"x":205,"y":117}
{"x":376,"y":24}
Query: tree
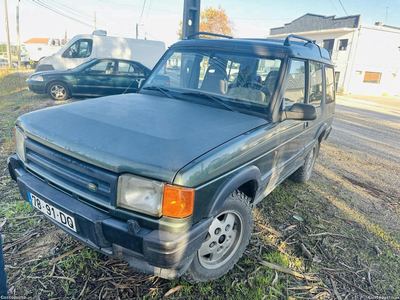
{"x":214,"y":21}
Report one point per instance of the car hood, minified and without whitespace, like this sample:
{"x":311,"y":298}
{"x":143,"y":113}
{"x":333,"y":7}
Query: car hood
{"x":54,"y":72}
{"x":145,"y":135}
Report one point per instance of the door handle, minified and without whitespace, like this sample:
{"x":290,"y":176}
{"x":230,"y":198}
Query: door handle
{"x":305,"y":125}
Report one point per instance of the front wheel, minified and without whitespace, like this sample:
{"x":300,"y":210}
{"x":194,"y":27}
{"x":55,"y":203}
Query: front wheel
{"x":58,"y":91}
{"x":225,"y":242}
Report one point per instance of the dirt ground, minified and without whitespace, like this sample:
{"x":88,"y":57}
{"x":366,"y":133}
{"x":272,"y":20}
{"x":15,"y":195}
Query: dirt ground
{"x":335,"y":237}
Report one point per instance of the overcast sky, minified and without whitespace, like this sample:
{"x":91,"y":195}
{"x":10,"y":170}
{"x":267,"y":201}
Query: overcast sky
{"x":160,"y":18}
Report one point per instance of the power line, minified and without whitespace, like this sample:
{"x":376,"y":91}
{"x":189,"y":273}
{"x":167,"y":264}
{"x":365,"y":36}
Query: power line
{"x":141,"y":15}
{"x":335,"y":8}
{"x":45,"y":6}
{"x":131,"y":5}
{"x":343,"y":7}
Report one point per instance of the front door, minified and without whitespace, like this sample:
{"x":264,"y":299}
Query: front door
{"x":292,"y":132}
{"x":97,"y":80}
{"x":78,"y":53}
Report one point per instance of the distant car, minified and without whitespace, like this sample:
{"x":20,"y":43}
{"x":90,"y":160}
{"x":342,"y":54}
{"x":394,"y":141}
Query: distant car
{"x":173,"y":68}
{"x":4,"y":63}
{"x":97,"y":77}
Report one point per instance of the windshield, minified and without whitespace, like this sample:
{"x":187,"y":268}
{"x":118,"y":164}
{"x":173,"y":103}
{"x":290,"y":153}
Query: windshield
{"x":241,"y":81}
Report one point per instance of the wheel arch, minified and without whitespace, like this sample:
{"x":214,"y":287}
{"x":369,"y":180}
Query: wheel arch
{"x":321,"y":132}
{"x":60,"y":81}
{"x":247,"y":180}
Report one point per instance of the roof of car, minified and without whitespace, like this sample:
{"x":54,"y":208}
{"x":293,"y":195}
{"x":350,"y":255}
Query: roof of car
{"x":262,"y":47}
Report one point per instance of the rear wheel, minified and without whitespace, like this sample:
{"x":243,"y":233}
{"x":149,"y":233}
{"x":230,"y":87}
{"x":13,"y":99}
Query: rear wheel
{"x":225,"y":242}
{"x":58,"y":91}
{"x":303,"y":173}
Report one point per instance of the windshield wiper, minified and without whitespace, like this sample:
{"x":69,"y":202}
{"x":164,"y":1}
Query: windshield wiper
{"x":216,"y":99}
{"x":160,"y":89}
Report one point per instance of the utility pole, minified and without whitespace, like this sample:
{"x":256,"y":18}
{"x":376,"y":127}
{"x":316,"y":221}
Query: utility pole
{"x":137,"y":30}
{"x":8,"y":35}
{"x":95,"y":26}
{"x":191,"y":17}
{"x":18,"y":41}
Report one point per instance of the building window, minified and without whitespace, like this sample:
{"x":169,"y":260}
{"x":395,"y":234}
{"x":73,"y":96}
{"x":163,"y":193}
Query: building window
{"x":372,"y":77}
{"x":358,"y":72}
{"x":39,"y":49}
{"x":343,"y":44}
{"x":394,"y":74}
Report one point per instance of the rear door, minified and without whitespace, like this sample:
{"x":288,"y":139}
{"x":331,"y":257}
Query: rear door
{"x":97,"y":80}
{"x":128,"y":76}
{"x":322,"y":96}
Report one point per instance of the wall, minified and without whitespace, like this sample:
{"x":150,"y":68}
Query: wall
{"x":377,"y":51}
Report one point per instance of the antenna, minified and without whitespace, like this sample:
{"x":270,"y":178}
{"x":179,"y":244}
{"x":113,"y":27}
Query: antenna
{"x":387,"y":8}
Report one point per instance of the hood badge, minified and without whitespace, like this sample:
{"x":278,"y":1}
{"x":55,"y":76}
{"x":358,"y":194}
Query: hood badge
{"x":92,"y":187}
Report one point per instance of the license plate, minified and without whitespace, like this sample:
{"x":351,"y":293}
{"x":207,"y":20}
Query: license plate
{"x":53,"y":212}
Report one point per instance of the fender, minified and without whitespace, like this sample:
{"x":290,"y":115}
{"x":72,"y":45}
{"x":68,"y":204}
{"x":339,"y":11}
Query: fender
{"x":321,"y":129}
{"x":245,"y":175}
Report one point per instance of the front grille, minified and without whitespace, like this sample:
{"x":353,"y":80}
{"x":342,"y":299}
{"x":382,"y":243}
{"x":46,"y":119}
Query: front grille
{"x":71,"y":176}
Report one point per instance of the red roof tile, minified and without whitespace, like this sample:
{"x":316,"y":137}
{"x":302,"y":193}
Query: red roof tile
{"x":37,"y":41}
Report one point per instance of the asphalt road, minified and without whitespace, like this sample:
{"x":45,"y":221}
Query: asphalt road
{"x":369,"y":124}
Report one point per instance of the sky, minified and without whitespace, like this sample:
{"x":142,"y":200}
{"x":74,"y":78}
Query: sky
{"x":159,"y":19}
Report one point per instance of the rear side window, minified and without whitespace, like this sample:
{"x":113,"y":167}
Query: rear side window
{"x":132,"y":69}
{"x":316,"y":92}
{"x":296,"y":86}
{"x":330,"y":85}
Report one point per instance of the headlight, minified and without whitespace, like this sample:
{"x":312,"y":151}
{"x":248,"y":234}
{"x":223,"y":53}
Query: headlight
{"x":36,"y":78}
{"x":139,"y":194}
{"x":20,"y":142}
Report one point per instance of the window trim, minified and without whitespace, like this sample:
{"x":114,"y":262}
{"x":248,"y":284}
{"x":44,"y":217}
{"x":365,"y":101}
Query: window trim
{"x":323,"y":81}
{"x":306,"y":83}
{"x":334,"y":84}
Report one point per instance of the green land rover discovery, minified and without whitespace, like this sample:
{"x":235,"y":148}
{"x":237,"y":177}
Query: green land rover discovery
{"x":167,"y":179}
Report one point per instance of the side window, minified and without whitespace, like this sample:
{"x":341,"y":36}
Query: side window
{"x":79,"y":49}
{"x":315,"y":84}
{"x":295,"y":90}
{"x":103,"y":67}
{"x":330,"y":85}
{"x":125,"y":68}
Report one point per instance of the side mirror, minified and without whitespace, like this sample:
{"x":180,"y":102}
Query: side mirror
{"x":301,"y":112}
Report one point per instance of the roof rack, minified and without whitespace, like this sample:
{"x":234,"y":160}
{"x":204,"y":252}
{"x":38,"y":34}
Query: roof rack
{"x":287,"y":40}
{"x":207,"y":33}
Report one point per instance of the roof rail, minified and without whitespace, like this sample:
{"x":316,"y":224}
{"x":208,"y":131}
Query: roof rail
{"x":207,"y":33}
{"x":287,"y":40}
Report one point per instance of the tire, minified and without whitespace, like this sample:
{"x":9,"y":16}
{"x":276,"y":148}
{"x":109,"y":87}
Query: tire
{"x":303,"y":173}
{"x":28,"y":66}
{"x":225,"y":242}
{"x":58,"y":91}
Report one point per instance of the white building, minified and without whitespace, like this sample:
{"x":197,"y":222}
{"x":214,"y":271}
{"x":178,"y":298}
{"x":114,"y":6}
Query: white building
{"x":367,"y":57}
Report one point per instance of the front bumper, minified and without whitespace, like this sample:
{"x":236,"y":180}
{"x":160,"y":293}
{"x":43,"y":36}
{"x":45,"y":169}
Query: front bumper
{"x":157,"y":252}
{"x":36,"y":86}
